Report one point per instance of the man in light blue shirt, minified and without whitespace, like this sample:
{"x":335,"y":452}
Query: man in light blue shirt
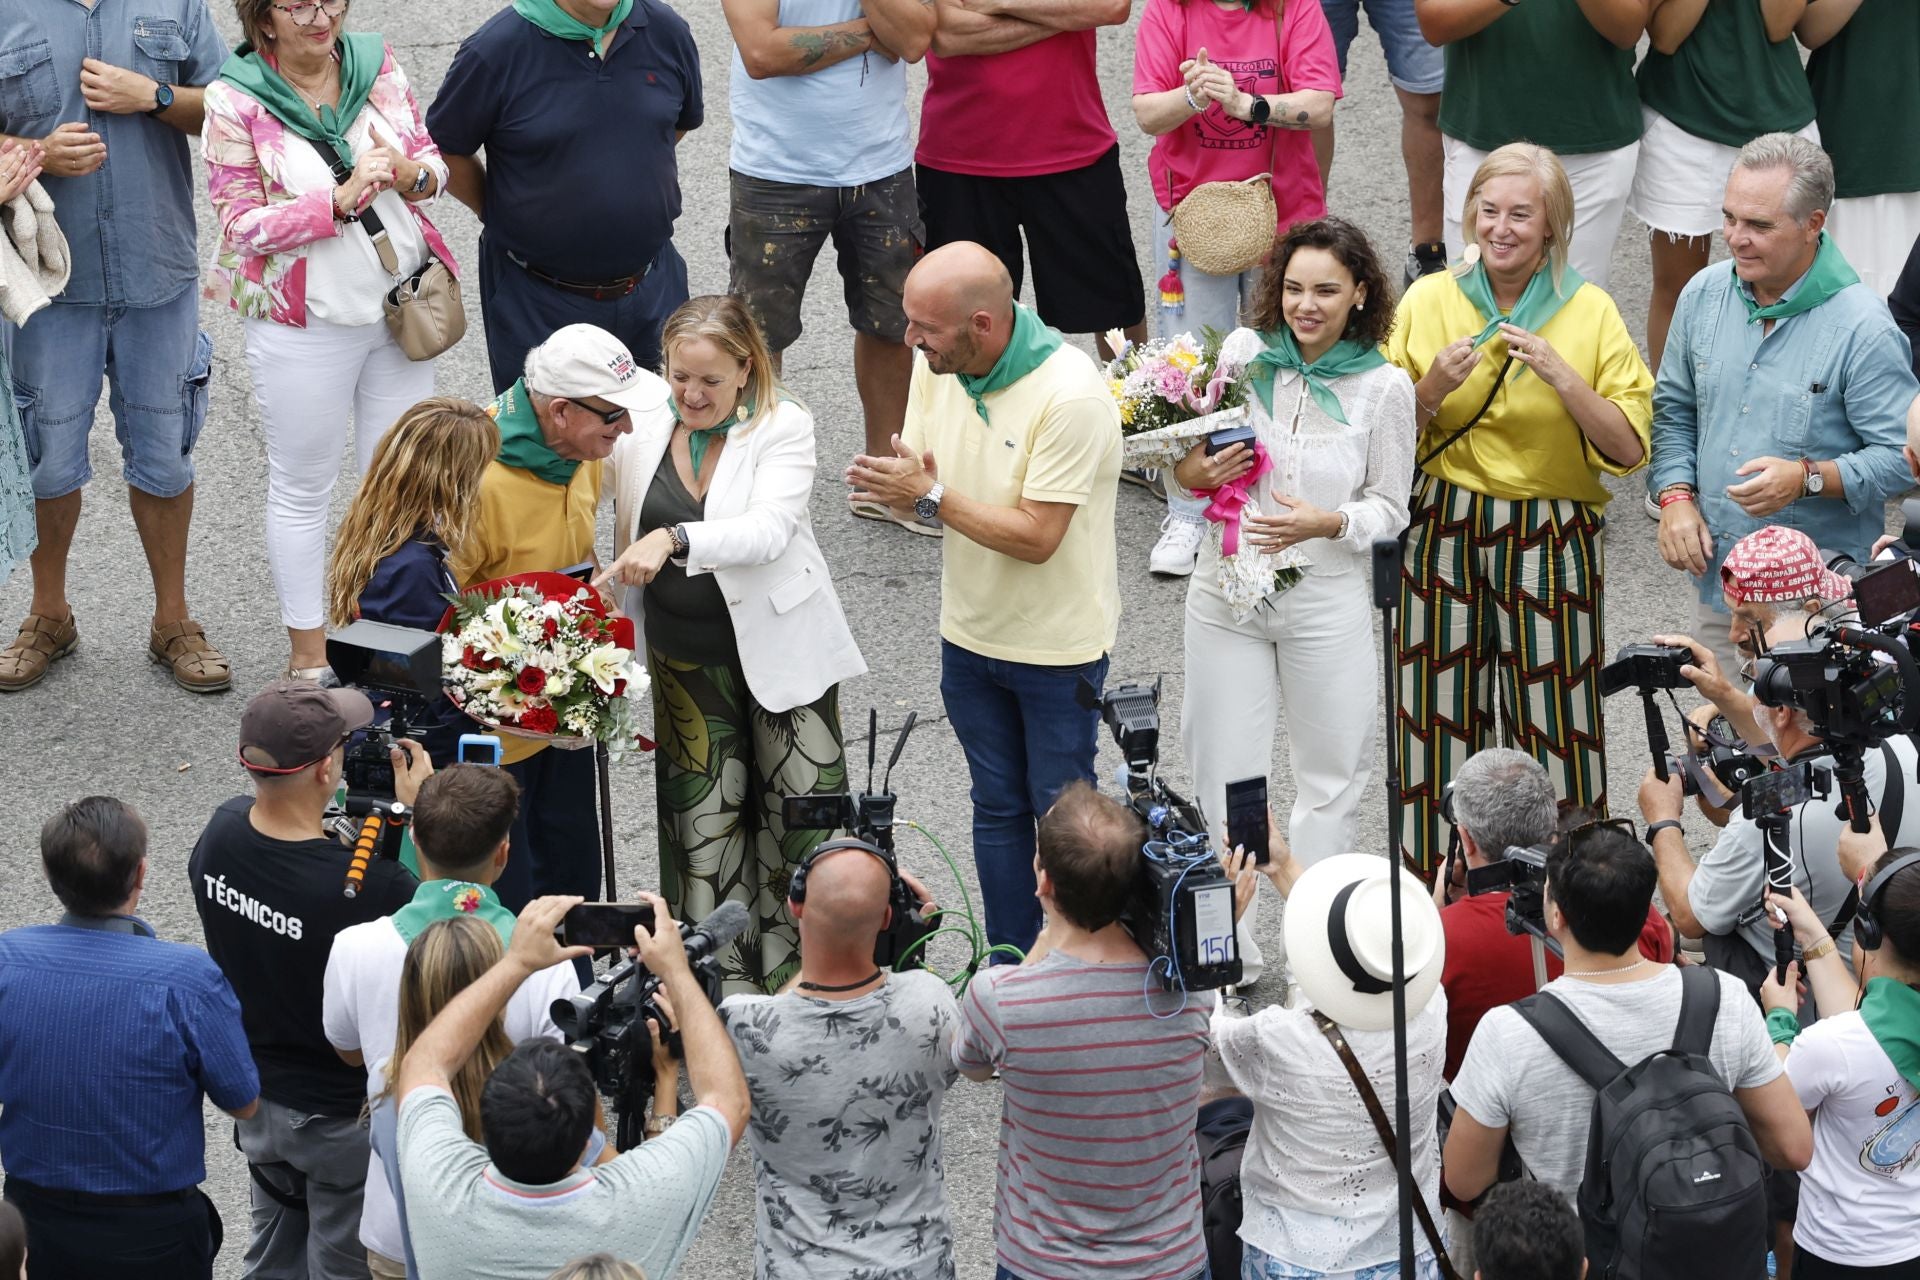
{"x":822,"y":148}
{"x":1784,"y":387}
{"x":87,"y":82}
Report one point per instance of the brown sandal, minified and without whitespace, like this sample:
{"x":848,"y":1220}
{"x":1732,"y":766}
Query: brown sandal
{"x":41,"y":643}
{"x":195,"y":665}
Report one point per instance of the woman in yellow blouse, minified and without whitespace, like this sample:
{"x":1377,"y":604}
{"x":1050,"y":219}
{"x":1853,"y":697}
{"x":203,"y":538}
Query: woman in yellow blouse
{"x":1527,"y":388}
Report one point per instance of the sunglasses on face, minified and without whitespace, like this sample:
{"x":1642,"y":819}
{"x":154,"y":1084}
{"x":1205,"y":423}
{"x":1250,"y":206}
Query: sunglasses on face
{"x":608,"y":416}
{"x":307,"y":12}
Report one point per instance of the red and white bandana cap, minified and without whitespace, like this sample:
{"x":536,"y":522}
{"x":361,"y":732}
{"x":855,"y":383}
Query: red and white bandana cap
{"x":1777,"y":564}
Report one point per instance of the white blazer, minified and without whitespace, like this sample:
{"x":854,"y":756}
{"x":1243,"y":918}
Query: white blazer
{"x":757,"y":542}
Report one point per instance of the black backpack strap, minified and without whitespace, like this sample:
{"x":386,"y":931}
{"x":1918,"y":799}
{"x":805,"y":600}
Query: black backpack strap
{"x":1699,"y":1007}
{"x":1567,"y":1036}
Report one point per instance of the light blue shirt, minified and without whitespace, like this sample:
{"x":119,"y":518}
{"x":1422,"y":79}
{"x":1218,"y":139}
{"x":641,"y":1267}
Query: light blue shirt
{"x":1833,"y":383}
{"x":839,"y":127}
{"x":129,"y":224}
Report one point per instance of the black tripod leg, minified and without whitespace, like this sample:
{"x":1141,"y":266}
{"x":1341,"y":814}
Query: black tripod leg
{"x":611,"y":894}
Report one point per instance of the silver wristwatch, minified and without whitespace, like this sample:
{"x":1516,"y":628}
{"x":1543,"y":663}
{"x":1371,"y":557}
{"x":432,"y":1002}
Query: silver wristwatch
{"x":420,"y":181}
{"x":927,"y":506}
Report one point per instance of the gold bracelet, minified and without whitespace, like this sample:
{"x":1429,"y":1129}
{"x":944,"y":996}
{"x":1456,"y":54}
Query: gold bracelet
{"x":1818,"y":951}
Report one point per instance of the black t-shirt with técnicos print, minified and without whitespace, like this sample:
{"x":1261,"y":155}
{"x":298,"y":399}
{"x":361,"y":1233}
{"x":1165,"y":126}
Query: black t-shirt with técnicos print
{"x":269,"y":909}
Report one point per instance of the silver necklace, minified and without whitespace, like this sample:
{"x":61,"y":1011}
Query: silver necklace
{"x":1600,"y":973}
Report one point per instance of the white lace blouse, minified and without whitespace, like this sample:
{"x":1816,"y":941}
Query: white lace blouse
{"x":1319,"y":1190}
{"x":1362,"y":467}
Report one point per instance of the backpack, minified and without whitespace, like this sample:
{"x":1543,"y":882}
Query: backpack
{"x":1222,"y":1139}
{"x":1674,"y":1187}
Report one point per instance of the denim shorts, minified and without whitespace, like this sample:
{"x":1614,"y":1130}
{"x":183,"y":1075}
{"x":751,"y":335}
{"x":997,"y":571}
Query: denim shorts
{"x":161,"y":363}
{"x":1412,"y":63}
{"x":775,"y":231}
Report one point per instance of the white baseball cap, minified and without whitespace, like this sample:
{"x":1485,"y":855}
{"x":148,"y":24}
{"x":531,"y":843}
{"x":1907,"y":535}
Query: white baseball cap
{"x":584,"y":360}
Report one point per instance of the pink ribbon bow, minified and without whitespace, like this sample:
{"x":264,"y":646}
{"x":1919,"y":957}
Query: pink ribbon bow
{"x":1225,"y":503}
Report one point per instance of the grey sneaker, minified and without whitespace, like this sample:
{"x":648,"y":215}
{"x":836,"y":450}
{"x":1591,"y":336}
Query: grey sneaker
{"x":1425,"y":259}
{"x":1148,"y":478}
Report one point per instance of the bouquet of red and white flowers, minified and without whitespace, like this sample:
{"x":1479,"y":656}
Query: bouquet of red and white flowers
{"x":537,"y":655}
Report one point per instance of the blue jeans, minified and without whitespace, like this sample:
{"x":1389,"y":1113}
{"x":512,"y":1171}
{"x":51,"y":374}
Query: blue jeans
{"x":1026,"y":736}
{"x":1412,"y":63}
{"x":157,"y":363}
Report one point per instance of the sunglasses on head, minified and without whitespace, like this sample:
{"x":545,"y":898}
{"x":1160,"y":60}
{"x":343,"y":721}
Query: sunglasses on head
{"x":1623,"y":825}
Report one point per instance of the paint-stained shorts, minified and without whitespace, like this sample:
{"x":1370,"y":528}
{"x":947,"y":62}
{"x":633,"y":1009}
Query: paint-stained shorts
{"x":775,"y":230}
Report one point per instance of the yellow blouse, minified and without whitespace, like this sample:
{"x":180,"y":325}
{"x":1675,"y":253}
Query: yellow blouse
{"x":1527,"y":445}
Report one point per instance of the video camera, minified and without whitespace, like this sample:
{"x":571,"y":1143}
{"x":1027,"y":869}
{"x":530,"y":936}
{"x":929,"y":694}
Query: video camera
{"x":1182,"y":911}
{"x":1649,"y":668}
{"x":607,"y":1023}
{"x":869,"y":817}
{"x":1857,"y":688}
{"x":1521,"y":874}
{"x":399,"y":669}
{"x":1719,"y":768}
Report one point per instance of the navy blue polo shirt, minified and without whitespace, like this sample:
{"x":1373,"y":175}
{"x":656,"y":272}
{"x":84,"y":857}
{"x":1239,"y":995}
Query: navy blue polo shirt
{"x":581,"y":176}
{"x":107,"y":1041}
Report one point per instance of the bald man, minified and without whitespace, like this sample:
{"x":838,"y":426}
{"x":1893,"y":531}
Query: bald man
{"x":848,"y":1069}
{"x":1013,"y":441}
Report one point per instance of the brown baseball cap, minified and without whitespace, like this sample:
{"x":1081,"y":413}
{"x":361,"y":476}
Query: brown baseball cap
{"x":291,"y":724}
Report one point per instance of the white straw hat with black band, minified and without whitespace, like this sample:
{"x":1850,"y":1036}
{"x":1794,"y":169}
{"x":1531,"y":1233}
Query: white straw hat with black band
{"x":1339,"y":928}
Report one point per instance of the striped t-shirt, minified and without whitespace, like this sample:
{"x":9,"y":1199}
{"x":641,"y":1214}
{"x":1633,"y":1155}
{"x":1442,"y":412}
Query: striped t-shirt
{"x":1099,"y":1177}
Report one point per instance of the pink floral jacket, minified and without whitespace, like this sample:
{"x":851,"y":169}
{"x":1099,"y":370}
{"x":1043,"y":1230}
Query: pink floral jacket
{"x":260,"y":266}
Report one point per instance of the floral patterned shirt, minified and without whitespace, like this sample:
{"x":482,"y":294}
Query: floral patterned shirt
{"x":260,"y":265}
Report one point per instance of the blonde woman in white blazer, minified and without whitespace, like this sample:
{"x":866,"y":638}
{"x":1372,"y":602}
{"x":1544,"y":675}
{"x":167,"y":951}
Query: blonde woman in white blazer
{"x":745,"y":640}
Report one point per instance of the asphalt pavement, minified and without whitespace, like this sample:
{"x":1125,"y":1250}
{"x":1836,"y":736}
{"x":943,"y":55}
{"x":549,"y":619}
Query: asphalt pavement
{"x":105,"y":721}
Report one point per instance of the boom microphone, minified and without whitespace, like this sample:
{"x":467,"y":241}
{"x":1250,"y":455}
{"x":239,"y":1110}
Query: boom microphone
{"x":726,"y":922}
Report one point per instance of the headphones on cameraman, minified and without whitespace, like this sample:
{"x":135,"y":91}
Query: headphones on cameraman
{"x":1868,"y":931}
{"x":797,"y":888}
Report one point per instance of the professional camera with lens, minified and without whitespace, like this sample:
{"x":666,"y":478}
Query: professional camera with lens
{"x":1645,"y":667}
{"x":607,"y":1023}
{"x":1719,"y":767}
{"x":869,"y":817}
{"x":398,"y":668}
{"x":1521,"y":874}
{"x":1182,"y":912}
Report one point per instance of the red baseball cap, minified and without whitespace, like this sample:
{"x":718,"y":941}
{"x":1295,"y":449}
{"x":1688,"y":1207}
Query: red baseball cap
{"x":1777,"y":564}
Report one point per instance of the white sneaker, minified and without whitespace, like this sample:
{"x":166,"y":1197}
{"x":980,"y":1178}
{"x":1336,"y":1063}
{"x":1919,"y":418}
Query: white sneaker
{"x":1178,"y":547}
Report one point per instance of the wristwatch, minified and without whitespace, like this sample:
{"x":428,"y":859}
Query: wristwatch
{"x":681,"y":542}
{"x":1261,"y":109}
{"x":1815,"y":482}
{"x":162,"y":99}
{"x":420,"y":181}
{"x":927,"y":506}
{"x":1660,"y":826}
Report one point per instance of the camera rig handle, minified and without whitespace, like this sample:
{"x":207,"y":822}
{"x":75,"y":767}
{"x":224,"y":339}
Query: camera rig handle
{"x":1775,"y":826}
{"x":1657,"y":740}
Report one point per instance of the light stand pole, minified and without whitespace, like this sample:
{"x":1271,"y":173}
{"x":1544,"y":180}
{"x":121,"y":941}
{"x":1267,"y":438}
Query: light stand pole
{"x":1386,"y":595}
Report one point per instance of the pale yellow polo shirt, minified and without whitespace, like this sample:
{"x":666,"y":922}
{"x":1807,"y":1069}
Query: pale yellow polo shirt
{"x":1053,"y":436}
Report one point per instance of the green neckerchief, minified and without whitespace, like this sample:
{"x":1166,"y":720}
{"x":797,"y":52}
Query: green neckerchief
{"x":1283,"y":352}
{"x":1028,"y":347}
{"x":522,"y":443}
{"x":1828,"y":275}
{"x":445,"y":899}
{"x":361,"y":57}
{"x":1891,"y":1010}
{"x":552,"y":19}
{"x":1539,"y":301}
{"x":697,"y":440}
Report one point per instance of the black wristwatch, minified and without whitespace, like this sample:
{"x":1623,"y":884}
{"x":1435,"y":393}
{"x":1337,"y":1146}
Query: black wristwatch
{"x":681,"y":543}
{"x":1261,"y":109}
{"x":162,"y":99}
{"x":1662,"y":825}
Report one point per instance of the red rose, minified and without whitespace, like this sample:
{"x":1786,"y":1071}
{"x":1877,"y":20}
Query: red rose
{"x":531,"y":680}
{"x":550,"y":628}
{"x":619,"y":688}
{"x":539,"y":720}
{"x":589,"y":627}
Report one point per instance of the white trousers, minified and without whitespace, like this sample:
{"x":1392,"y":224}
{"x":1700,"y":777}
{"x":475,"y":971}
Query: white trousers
{"x":1601,"y":183}
{"x":307,"y":383}
{"x":1311,"y":646}
{"x":1875,"y":235}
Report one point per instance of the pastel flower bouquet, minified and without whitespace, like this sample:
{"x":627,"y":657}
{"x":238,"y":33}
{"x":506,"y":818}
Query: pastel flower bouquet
{"x":1174,"y":391}
{"x":538,"y":655}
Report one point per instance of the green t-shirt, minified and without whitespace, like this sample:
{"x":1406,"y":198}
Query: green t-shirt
{"x":1727,"y":82}
{"x":1540,"y":72}
{"x":1866,"y":84}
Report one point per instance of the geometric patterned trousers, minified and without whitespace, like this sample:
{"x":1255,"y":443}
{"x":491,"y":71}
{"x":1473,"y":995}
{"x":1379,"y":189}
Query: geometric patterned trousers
{"x":1499,"y":614}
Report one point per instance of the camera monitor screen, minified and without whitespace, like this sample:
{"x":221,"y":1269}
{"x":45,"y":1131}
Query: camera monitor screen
{"x":1213,"y":924}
